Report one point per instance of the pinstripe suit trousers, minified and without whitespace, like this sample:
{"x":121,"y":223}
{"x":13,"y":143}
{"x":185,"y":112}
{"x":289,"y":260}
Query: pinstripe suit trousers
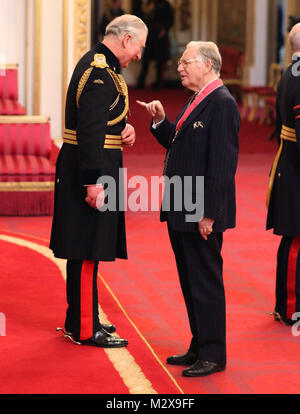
{"x":200,"y":269}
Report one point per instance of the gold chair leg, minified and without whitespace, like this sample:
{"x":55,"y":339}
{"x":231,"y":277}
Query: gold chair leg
{"x":253,"y":113}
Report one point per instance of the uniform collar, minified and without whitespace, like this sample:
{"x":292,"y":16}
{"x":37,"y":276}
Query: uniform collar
{"x":112,"y":60}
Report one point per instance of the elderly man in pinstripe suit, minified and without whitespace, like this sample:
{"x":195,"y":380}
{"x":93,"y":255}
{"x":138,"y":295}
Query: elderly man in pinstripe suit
{"x":202,"y":142}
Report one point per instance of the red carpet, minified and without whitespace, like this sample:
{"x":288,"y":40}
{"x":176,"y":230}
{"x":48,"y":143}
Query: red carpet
{"x":35,"y":359}
{"x":143,"y":298}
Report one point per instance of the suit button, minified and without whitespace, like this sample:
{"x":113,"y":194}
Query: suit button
{"x":57,"y":181}
{"x":279,"y":175}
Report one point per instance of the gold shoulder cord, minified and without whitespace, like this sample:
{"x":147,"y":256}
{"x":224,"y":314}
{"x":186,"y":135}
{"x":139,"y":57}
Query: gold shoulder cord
{"x":122,"y":90}
{"x":82,"y":83}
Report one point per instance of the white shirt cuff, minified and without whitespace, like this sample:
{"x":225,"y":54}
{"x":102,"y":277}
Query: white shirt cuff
{"x":154,"y":126}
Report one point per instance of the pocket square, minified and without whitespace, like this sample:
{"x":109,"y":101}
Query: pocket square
{"x":198,"y":124}
{"x":99,"y":81}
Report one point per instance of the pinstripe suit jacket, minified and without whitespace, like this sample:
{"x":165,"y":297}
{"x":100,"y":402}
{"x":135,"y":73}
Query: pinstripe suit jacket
{"x":206,"y":146}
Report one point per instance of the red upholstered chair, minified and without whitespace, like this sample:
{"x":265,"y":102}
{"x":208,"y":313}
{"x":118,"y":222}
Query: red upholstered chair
{"x":26,"y":170}
{"x":9,"y":104}
{"x":233,"y":60}
{"x":259,"y":94}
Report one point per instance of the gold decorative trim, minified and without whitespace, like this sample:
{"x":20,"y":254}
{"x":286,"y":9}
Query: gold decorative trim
{"x":24,"y":119}
{"x":99,"y":61}
{"x":286,"y":135}
{"x":27,"y":186}
{"x":37,"y":56}
{"x":119,"y":82}
{"x":70,"y":131}
{"x":83,"y":80}
{"x":81,"y":31}
{"x":115,"y":103}
{"x":122,"y":90}
{"x":69,"y":141}
{"x":9,"y":66}
{"x":111,"y":141}
{"x":122,"y":115}
{"x":109,"y":136}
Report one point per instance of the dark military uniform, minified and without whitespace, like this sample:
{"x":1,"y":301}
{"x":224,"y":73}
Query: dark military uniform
{"x":96,"y":109}
{"x":283,"y":198}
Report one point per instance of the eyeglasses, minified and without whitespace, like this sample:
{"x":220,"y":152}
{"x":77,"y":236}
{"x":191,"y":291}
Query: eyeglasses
{"x":186,"y":62}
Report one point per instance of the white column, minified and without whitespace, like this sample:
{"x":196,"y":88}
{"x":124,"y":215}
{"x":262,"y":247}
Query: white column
{"x":258,"y":71}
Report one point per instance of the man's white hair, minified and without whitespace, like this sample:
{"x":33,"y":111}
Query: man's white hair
{"x":208,"y":51}
{"x":126,"y":24}
{"x":294,"y":38}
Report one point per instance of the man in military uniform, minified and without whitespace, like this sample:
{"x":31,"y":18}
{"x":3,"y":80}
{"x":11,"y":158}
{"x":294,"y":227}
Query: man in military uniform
{"x":94,"y":136}
{"x":283,"y":199}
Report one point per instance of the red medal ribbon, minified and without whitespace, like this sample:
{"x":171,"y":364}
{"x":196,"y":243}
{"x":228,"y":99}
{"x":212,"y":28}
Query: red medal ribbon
{"x":202,"y":95}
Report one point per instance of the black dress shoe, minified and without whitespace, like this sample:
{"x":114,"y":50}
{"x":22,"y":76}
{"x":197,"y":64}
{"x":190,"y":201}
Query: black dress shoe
{"x":109,"y":328}
{"x":185,"y":359}
{"x":203,"y":368}
{"x":104,"y":339}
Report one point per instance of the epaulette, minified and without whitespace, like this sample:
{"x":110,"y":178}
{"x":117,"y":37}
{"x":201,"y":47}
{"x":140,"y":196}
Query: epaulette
{"x":120,"y":84}
{"x":99,"y":61}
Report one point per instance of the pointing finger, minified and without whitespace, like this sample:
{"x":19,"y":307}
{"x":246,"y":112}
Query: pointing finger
{"x":142,"y":104}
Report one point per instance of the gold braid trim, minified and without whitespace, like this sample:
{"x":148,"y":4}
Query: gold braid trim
{"x":119,"y":82}
{"x":81,"y":84}
{"x":122,"y":90}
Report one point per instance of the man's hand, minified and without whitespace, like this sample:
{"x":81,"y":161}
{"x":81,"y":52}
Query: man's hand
{"x":128,"y":136}
{"x":205,"y":227}
{"x":155,"y":109}
{"x":95,"y":196}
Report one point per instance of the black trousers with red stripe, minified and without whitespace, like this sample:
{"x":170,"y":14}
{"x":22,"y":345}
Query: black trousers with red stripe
{"x":82,"y":316}
{"x":288,"y":278}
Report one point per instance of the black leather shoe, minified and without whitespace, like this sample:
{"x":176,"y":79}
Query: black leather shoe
{"x":104,"y":339}
{"x":203,"y":368}
{"x":109,"y":328}
{"x":186,"y":359}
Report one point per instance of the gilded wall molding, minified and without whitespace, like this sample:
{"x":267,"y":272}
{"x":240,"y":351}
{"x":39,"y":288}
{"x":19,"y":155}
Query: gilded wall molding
{"x":81,"y":28}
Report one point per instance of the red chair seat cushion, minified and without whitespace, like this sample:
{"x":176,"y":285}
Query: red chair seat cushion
{"x":260,"y":90}
{"x":11,"y":107}
{"x":9,"y":84}
{"x":266,"y":91}
{"x":25,"y":139}
{"x":26,"y":168}
{"x":231,"y":58}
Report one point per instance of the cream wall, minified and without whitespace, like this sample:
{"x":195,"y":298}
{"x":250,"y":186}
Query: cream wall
{"x":258,"y":72}
{"x":12,"y":38}
{"x":51,"y":63}
{"x":64,"y":34}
